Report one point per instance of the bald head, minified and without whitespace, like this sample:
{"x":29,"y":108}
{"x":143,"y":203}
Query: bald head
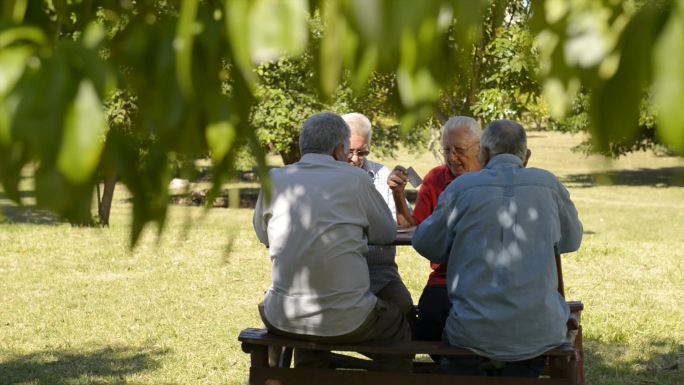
{"x":505,"y":137}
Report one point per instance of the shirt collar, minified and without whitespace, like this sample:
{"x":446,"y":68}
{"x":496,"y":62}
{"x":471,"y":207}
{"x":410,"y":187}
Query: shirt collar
{"x":317,"y":158}
{"x":505,"y":161}
{"x":366,"y":168}
{"x":448,"y":176}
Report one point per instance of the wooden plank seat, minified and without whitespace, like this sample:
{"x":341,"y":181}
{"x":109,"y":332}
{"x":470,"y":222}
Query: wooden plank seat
{"x":564,"y":364}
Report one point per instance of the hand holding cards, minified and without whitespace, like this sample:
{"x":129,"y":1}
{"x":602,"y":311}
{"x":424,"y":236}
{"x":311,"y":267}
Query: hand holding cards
{"x":413,"y":177}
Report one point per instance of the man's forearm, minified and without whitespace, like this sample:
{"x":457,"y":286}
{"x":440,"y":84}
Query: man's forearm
{"x":404,"y":218}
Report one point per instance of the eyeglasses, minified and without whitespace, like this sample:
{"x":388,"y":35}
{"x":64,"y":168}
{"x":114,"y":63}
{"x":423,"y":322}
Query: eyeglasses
{"x":458,"y":151}
{"x":359,"y":153}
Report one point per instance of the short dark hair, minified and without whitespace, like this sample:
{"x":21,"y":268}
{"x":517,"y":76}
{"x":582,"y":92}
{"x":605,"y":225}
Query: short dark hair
{"x":322,"y":132}
{"x":505,"y":137}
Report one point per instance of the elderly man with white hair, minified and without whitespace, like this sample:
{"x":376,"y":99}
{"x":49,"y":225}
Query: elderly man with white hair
{"x":460,"y":144}
{"x":499,"y":231}
{"x":317,"y":223}
{"x":385,"y":281}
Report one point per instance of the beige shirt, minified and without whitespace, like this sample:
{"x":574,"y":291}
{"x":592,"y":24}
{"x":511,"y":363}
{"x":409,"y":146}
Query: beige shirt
{"x":320,"y":219}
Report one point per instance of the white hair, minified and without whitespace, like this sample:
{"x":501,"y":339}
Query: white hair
{"x":322,"y":132}
{"x":359,"y":124}
{"x":457,"y":122}
{"x":505,"y":137}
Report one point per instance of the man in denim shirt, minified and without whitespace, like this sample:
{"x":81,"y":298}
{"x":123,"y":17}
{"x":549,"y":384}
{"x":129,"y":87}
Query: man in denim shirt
{"x":498,"y":231}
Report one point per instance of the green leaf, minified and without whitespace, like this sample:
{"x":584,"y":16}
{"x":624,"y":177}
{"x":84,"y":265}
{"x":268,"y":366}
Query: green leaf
{"x":12,"y":35}
{"x":12,"y":65}
{"x":237,"y":25}
{"x":669,"y":80}
{"x":277,"y":28}
{"x":84,"y":130}
{"x":220,"y":138}
{"x":332,"y":57}
{"x":417,"y":89}
{"x":93,"y":35}
{"x":19,"y":11}
{"x":615,"y":102}
{"x":183,"y":45}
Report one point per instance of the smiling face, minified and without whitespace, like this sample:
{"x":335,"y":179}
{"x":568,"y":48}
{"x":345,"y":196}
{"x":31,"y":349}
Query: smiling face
{"x":460,"y":149}
{"x":358,"y":150}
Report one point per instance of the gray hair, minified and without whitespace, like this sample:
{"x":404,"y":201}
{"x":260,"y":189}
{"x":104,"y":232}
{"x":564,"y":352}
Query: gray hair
{"x":359,"y":124}
{"x":456,"y":122}
{"x":505,"y":137}
{"x":322,"y":132}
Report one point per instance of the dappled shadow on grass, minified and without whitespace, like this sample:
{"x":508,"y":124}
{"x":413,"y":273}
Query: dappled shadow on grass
{"x":661,"y":362}
{"x":13,"y":213}
{"x":657,"y":177}
{"x":22,"y":194}
{"x":27,"y":214}
{"x":61,"y":367}
{"x":246,"y":198}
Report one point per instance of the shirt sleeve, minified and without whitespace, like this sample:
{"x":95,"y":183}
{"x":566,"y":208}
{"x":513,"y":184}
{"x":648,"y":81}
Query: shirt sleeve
{"x":261,"y":217}
{"x":384,"y":190}
{"x":382,"y":228}
{"x":433,"y":237}
{"x":570,"y":226}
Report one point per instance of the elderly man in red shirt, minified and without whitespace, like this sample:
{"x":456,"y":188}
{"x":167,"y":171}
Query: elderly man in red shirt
{"x":460,"y":146}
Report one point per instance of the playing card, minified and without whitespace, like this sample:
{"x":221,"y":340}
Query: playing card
{"x":413,"y":177}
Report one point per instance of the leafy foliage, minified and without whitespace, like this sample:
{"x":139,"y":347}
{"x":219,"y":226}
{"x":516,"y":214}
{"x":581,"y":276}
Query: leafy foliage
{"x":191,"y":68}
{"x":578,"y":120}
{"x":607,"y":49}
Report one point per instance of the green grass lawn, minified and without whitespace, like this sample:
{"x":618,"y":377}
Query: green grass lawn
{"x":78,"y":307}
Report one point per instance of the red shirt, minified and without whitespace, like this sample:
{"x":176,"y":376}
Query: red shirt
{"x":434,"y":183}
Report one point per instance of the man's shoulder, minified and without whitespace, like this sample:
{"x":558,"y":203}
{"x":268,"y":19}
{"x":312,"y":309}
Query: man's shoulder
{"x":435,"y":175}
{"x":542,"y":176}
{"x":540,"y":172}
{"x":336,"y":168}
{"x":376,"y":168}
{"x":469,"y":179}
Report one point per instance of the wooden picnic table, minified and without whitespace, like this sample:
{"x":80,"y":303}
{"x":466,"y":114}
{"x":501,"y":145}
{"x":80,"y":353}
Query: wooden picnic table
{"x":565,"y":363}
{"x":404,"y":236}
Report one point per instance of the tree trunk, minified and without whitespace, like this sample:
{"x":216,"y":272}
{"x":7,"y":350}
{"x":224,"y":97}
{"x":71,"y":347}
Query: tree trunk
{"x":105,"y":204}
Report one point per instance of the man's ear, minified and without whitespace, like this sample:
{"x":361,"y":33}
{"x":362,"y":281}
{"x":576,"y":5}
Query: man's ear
{"x":484,"y":156}
{"x":339,"y":154}
{"x":527,"y":157}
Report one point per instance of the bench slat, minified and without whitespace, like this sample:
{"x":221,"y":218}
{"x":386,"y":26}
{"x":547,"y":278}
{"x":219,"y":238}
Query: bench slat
{"x":263,"y":337}
{"x":575,"y":306}
{"x":302,"y":376}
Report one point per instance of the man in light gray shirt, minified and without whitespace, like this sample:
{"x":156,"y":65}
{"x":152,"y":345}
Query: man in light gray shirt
{"x":498,"y":230}
{"x":321,"y":215}
{"x":385,"y":281}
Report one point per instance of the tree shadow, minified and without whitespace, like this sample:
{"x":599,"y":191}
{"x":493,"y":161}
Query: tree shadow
{"x":660,"y":362}
{"x":22,"y":194}
{"x":10,"y":212}
{"x":28,"y":214}
{"x":658,"y":177}
{"x":102,"y":366}
{"x":246,"y":198}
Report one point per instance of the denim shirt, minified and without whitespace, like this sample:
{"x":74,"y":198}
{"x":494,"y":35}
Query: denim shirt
{"x":498,"y":230}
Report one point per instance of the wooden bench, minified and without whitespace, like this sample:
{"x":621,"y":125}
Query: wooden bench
{"x":564,"y":363}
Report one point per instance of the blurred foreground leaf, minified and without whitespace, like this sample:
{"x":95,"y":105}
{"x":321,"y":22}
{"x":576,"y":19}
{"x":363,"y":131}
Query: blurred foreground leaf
{"x":669,"y":79}
{"x":83,"y":138}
